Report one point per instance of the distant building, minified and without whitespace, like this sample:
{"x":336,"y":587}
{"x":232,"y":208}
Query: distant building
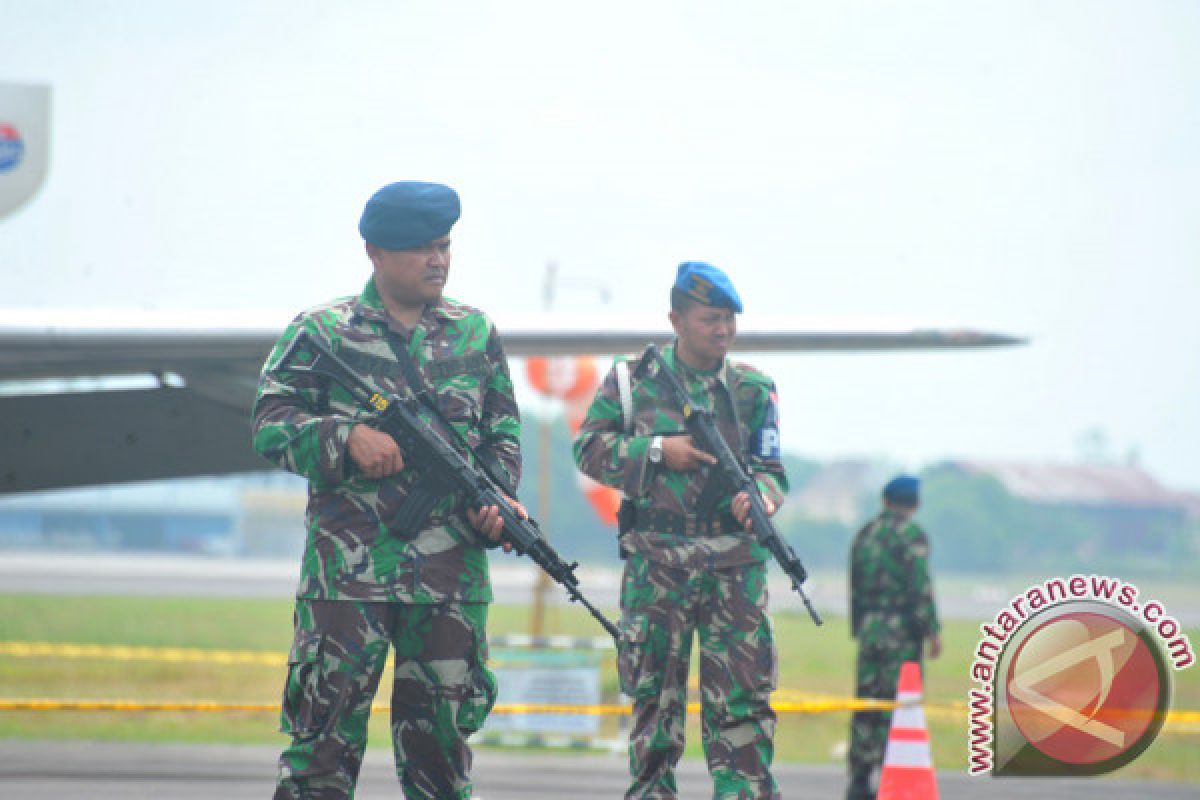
{"x":1130,"y":509}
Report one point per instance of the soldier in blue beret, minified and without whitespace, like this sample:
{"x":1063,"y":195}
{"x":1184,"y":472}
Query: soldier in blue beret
{"x":892,"y":616}
{"x":693,"y":569}
{"x":375,"y":577}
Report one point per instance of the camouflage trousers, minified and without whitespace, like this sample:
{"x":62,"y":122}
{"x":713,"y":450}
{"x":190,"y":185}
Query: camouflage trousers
{"x":663,"y":609}
{"x":877,"y":675}
{"x":442,"y":692}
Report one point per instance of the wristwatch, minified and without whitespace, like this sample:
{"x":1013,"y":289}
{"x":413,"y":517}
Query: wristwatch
{"x":654,"y":454}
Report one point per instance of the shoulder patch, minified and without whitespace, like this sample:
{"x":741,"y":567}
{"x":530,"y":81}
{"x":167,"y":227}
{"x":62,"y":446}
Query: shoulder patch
{"x":765,"y":442}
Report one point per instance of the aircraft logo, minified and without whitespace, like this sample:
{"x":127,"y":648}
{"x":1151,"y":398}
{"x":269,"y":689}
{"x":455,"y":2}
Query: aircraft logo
{"x":12,"y":147}
{"x":24,"y":143}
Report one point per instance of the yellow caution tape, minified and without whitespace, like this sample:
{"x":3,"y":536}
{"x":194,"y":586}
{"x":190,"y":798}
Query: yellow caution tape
{"x":1176,"y":721}
{"x":785,"y":701}
{"x":132,"y":653}
{"x":594,"y":710}
{"x":39,"y":704}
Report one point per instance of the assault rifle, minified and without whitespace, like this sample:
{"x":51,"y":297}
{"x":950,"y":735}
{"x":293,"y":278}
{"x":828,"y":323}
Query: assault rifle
{"x":704,"y":433}
{"x":445,"y":469}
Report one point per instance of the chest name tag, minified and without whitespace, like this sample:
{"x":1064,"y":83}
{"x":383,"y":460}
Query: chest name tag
{"x":369,"y":364}
{"x":473,"y":364}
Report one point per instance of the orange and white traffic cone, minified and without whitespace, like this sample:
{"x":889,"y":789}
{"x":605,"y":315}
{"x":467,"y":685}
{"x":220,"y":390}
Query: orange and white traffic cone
{"x":908,"y":762}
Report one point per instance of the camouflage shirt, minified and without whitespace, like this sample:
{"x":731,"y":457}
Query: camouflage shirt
{"x":743,"y":402}
{"x":354,"y":550}
{"x":890,"y":589}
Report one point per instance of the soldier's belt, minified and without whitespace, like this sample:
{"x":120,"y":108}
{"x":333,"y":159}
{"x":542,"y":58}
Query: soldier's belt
{"x":656,"y":521}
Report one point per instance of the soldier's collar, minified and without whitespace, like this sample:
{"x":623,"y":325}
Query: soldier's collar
{"x":721,"y":373}
{"x":369,"y":305}
{"x":898,"y":515}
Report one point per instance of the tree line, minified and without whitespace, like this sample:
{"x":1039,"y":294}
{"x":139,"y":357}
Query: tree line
{"x":974,"y":523}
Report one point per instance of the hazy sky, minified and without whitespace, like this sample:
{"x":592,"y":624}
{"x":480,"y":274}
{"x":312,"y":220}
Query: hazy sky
{"x":1028,"y":167}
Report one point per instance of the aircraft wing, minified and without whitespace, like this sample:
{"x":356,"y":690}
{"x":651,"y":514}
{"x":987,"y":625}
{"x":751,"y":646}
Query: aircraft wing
{"x":531,"y":341}
{"x":89,"y":398}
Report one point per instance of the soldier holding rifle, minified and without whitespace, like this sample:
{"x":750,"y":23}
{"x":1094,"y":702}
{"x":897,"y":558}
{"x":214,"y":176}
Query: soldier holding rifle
{"x":376,"y":575}
{"x":693,"y":566}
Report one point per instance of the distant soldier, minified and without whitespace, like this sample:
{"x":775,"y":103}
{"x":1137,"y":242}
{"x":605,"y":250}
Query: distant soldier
{"x":691,"y":567}
{"x":375,"y":578}
{"x":892,"y":614}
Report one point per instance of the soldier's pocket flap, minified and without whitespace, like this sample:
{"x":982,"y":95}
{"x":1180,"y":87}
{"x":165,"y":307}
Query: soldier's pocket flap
{"x":633,"y":630}
{"x":634,"y":676}
{"x":306,"y":709}
{"x":306,"y":648}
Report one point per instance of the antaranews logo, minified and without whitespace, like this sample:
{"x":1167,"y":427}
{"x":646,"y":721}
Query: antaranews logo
{"x":1074,"y":678}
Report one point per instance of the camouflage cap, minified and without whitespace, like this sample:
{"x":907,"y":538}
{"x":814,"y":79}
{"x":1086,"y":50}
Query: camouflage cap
{"x":408,"y":214}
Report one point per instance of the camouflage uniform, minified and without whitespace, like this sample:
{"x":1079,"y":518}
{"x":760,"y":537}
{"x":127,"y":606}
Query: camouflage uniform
{"x":690,"y":569}
{"x":365,"y":582}
{"x":892,"y":613}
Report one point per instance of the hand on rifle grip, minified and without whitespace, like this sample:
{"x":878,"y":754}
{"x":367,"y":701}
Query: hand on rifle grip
{"x":487,"y":520}
{"x":375,"y":453}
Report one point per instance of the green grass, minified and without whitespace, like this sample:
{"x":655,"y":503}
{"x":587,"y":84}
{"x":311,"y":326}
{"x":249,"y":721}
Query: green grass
{"x":812,"y":660}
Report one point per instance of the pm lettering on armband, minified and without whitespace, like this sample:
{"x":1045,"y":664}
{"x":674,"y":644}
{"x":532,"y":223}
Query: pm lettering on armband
{"x":765,"y":443}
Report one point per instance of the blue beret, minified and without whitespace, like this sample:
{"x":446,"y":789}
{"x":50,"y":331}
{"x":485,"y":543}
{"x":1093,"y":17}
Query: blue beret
{"x":408,"y":214}
{"x":902,"y":489}
{"x":708,"y":285}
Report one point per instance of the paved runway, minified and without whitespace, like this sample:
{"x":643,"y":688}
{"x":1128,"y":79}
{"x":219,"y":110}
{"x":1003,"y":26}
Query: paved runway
{"x":512,"y":578}
{"x":202,"y":576}
{"x":45,"y":572}
{"x":77,"y":770}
